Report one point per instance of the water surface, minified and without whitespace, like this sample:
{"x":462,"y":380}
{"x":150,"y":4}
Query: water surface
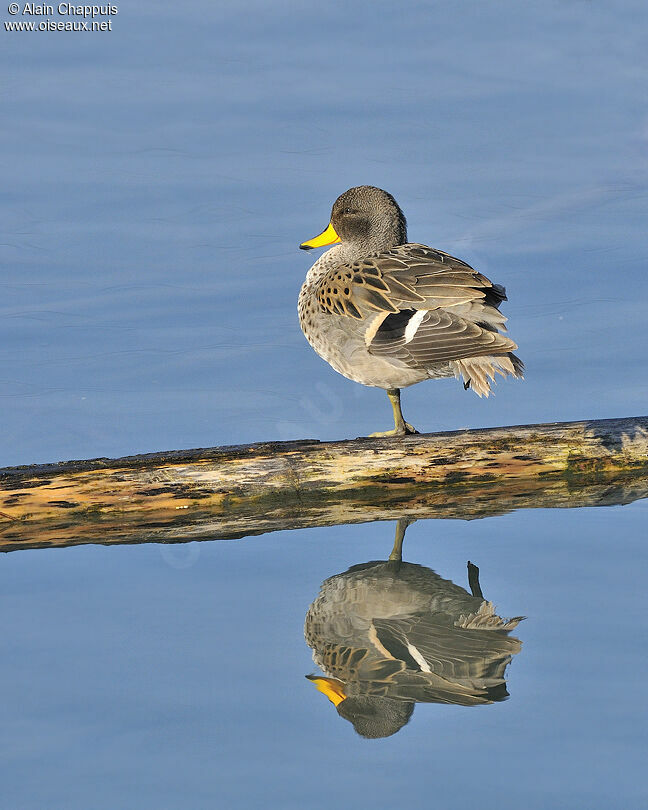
{"x":173,"y":676}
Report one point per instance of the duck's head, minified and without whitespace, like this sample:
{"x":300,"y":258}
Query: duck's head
{"x":372,"y":716}
{"x":364,"y":220}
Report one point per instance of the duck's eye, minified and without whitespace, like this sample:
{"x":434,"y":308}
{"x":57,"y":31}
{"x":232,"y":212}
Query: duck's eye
{"x":348,"y":210}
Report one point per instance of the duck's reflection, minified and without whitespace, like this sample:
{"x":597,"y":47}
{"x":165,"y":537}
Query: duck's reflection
{"x":390,"y":634}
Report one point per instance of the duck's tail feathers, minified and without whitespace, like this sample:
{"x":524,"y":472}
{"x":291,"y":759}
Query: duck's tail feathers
{"x":479,"y":373}
{"x":486,"y":618}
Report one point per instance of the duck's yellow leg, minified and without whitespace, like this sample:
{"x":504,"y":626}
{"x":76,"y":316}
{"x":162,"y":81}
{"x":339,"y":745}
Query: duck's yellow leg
{"x":401,"y":427}
{"x":397,"y":551}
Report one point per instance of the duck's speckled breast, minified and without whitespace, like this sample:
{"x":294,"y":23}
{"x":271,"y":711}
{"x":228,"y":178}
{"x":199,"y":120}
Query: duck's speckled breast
{"x":339,"y":339}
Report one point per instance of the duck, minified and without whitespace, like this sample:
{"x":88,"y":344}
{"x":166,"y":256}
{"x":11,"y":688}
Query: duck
{"x":388,"y":634}
{"x":388,"y":313}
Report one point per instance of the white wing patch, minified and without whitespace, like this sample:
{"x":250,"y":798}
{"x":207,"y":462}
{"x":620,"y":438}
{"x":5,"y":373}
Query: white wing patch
{"x":414,"y":323}
{"x":416,"y":655}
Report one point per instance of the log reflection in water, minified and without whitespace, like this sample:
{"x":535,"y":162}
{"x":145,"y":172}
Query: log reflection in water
{"x":235,"y":519}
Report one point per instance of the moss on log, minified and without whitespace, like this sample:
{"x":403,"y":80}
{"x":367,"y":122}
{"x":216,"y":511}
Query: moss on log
{"x":234,"y":491}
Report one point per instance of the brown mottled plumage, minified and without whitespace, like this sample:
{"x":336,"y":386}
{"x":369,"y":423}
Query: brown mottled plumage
{"x":389,"y":314}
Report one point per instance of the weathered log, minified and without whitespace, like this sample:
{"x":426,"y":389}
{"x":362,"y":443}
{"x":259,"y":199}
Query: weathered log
{"x":234,"y":491}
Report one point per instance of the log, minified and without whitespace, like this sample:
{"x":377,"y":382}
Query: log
{"x":229,"y":492}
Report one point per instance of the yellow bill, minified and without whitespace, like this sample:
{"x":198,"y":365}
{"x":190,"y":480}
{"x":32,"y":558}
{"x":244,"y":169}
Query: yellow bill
{"x":331,"y":687}
{"x":327,"y":237}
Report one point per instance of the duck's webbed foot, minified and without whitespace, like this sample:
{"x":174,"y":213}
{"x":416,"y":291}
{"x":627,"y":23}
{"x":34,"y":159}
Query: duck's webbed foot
{"x":402,"y":430}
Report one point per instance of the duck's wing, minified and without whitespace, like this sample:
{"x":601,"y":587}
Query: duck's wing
{"x":419,"y":305}
{"x":426,"y":658}
{"x":465,"y":657}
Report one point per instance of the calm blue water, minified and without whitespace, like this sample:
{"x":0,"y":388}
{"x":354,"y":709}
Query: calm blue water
{"x":146,"y":676}
{"x":157,"y":180}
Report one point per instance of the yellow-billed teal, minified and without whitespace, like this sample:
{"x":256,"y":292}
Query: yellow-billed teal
{"x":387,"y":313}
